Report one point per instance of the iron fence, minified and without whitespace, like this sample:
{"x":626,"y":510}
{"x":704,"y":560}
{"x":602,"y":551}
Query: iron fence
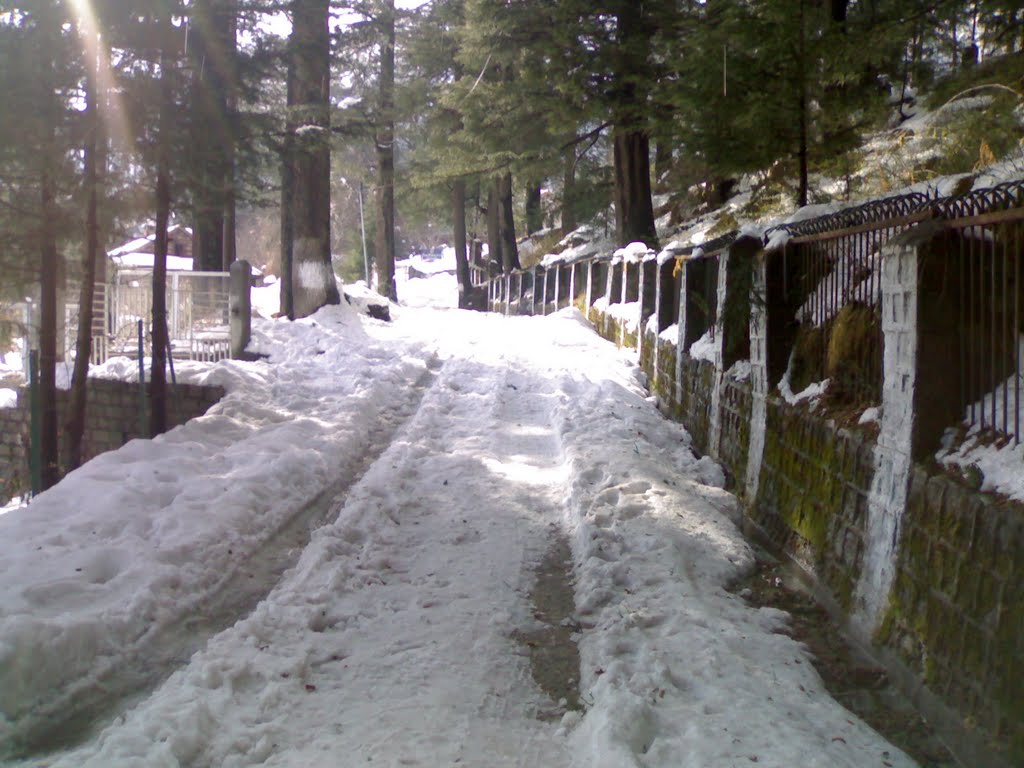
{"x":835,"y":286}
{"x":984,"y":242}
{"x":826,"y":284}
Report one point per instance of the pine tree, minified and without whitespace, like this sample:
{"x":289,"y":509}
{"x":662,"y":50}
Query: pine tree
{"x":212,"y":58}
{"x":771,"y":79}
{"x":311,"y":273}
{"x":92,"y":151}
{"x":384,"y":141}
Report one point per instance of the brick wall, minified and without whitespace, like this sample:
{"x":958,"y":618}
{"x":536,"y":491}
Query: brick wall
{"x":112,"y":419}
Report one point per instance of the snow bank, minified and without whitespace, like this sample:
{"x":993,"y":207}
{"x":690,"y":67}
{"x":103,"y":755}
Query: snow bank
{"x":134,"y":540}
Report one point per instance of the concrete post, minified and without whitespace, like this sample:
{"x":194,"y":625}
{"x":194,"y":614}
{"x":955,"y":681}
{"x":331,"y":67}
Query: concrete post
{"x":240,"y":307}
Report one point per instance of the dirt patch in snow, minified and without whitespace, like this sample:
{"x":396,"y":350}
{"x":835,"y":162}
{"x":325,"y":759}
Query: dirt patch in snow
{"x":554,"y":657}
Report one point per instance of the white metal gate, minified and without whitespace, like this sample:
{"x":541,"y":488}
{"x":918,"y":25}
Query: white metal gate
{"x":197,"y":313}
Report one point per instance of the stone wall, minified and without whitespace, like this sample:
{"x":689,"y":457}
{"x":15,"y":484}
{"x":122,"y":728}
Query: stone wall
{"x":734,"y":404}
{"x":812,"y":497}
{"x":956,"y":611}
{"x":695,"y":393}
{"x":665,"y":385}
{"x":953,"y":624}
{"x":112,"y":419}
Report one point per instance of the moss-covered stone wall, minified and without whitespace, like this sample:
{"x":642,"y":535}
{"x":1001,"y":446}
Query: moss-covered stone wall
{"x":813,"y":492}
{"x":735,"y":405}
{"x":956,"y":611}
{"x":698,"y":378}
{"x":648,"y":355}
{"x":664,"y":381}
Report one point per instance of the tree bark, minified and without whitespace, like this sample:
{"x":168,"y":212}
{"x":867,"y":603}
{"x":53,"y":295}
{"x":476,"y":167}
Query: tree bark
{"x":313,"y":281}
{"x":160,"y":341}
{"x":48,"y":260}
{"x":633,"y":188}
{"x":506,"y":225}
{"x":662,"y":158}
{"x":212,"y":50}
{"x":631,"y":152}
{"x":287,"y":193}
{"x":803,"y":192}
{"x":231,"y":102}
{"x":385,"y":145}
{"x":459,"y":238}
{"x":74,"y":428}
{"x":493,"y":227}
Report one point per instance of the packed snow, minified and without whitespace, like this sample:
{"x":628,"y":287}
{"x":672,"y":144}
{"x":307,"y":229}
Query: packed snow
{"x":175,"y":601}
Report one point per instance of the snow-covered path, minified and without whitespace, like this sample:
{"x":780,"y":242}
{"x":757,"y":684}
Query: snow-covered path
{"x":396,"y":637}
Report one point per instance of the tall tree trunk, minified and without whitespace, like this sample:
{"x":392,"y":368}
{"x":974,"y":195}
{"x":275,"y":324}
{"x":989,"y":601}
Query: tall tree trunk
{"x":231,"y":103}
{"x":569,"y":222}
{"x":459,"y":238}
{"x":633,"y":204}
{"x":212,"y":50}
{"x":662,"y":158}
{"x":287,"y":194}
{"x":534,"y":212}
{"x":48,"y":257}
{"x":803,"y":192}
{"x":160,"y":341}
{"x":507,"y":225}
{"x":633,"y":188}
{"x":74,"y":428}
{"x":494,"y":226}
{"x":313,"y":281}
{"x":385,"y":144}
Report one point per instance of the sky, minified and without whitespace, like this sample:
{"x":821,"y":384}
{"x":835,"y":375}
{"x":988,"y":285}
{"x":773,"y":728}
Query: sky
{"x":280,"y":23}
{"x":338,"y":565}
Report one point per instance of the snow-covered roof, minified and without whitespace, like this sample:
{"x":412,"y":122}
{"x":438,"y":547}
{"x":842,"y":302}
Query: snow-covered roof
{"x":139,"y":260}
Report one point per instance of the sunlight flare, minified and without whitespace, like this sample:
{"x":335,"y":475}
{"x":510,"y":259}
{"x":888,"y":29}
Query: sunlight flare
{"x":110,"y":107}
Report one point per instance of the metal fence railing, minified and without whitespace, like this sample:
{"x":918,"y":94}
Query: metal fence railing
{"x":986,"y":234}
{"x":823,"y":297}
{"x":836,"y":288}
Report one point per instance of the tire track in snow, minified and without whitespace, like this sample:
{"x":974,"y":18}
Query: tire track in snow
{"x":87,"y":705}
{"x":455,"y":516}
